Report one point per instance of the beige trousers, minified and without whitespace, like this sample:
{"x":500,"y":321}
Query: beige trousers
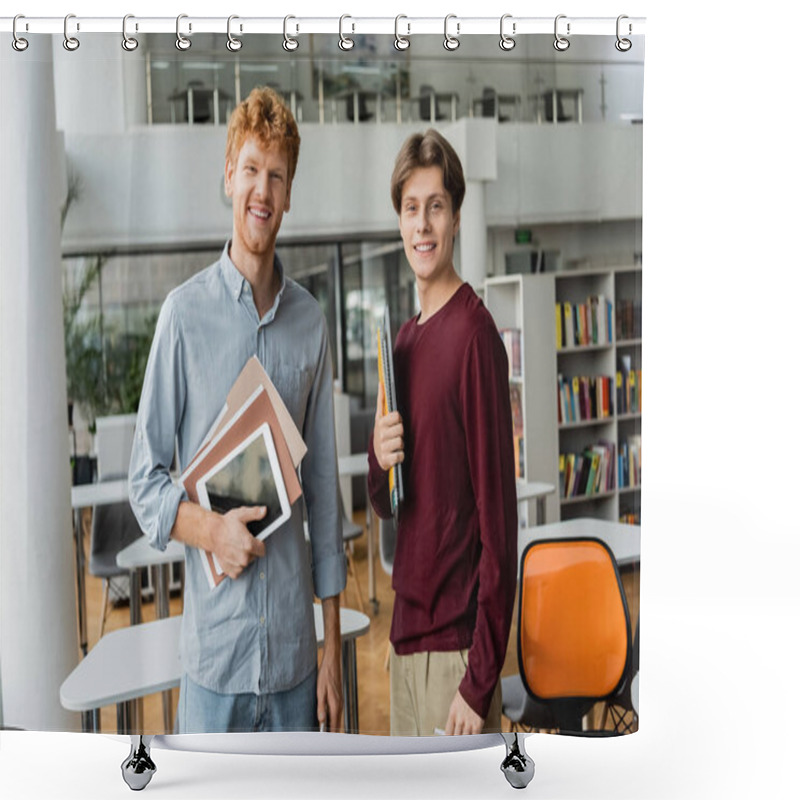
{"x":422,"y":688}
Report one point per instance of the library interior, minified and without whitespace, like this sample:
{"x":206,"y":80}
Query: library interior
{"x":550,"y":240}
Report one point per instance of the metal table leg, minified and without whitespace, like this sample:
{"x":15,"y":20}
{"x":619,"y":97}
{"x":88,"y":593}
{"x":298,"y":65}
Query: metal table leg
{"x":346,"y":687}
{"x":80,"y":565}
{"x":371,"y":555}
{"x":352,"y":676}
{"x":161,"y":581}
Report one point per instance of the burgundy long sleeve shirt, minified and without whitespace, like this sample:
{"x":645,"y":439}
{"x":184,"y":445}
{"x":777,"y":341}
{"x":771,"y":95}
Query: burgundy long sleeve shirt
{"x":454,"y":571}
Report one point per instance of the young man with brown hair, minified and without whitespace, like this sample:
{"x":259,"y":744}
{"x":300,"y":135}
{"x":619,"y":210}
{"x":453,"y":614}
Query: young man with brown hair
{"x":454,"y":570}
{"x":248,"y":649}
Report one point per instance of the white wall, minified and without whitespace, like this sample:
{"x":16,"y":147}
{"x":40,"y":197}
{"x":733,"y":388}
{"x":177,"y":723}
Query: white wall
{"x":163,"y":184}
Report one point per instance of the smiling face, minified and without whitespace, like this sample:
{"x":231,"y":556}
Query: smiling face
{"x":258,"y":184}
{"x":428,"y":225}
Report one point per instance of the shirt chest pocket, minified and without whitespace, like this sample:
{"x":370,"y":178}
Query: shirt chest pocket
{"x":294,"y":386}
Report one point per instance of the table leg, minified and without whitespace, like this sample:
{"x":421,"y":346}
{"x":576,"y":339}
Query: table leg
{"x":135,"y":601}
{"x":346,"y":687}
{"x":161,"y":581}
{"x":353,"y":680}
{"x":80,"y":563}
{"x":90,"y":721}
{"x":540,"y":511}
{"x":371,"y":556}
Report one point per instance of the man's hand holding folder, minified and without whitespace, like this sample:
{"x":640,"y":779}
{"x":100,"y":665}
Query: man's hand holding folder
{"x":387,"y":439}
{"x":234,"y":546}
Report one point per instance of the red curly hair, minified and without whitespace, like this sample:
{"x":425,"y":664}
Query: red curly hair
{"x":264,"y":115}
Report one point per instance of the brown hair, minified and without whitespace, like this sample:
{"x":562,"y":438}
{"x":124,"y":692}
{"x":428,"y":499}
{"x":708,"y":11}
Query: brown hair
{"x":265,"y":116}
{"x":429,"y":149}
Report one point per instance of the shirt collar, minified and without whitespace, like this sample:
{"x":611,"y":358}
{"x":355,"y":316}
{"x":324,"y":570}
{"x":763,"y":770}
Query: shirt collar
{"x":235,"y":281}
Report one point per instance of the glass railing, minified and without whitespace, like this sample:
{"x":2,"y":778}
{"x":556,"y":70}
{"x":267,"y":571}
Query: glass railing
{"x":374,"y":84}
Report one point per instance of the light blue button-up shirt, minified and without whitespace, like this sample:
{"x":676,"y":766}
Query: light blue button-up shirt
{"x":256,"y":633}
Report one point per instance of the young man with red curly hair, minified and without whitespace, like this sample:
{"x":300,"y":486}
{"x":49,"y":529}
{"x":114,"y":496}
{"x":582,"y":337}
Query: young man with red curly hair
{"x":248,"y":649}
{"x":454,"y":570}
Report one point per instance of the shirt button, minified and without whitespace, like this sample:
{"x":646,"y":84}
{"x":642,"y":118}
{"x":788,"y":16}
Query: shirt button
{"x":262,"y":576}
{"x":262,"y":620}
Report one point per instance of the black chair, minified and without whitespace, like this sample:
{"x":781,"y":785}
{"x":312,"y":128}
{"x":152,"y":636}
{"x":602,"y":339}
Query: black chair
{"x":490,"y":105}
{"x":363,"y":112}
{"x":547,"y":100}
{"x":622,"y":710}
{"x":428,"y":101}
{"x":114,"y":527}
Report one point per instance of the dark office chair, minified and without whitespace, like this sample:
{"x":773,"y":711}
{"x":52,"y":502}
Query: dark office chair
{"x":622,"y":710}
{"x":573,"y":638}
{"x":114,"y":527}
{"x":428,"y":100}
{"x":547,"y":100}
{"x":490,"y":105}
{"x":350,"y":532}
{"x":387,"y":543}
{"x":201,"y":101}
{"x":363,"y":113}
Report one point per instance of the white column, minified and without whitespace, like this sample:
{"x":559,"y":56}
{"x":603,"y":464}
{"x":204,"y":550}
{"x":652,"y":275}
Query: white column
{"x":473,"y":235}
{"x":38,"y":628}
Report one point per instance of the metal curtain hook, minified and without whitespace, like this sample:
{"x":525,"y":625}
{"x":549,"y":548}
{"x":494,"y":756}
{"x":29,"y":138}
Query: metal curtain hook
{"x":401,"y":42}
{"x":18,"y":43}
{"x":233,"y":44}
{"x":345,"y":43}
{"x":451,"y":42}
{"x":623,"y":45}
{"x":129,"y":43}
{"x":70,"y":42}
{"x":290,"y":44}
{"x":507,"y":42}
{"x":561,"y":43}
{"x":181,"y":42}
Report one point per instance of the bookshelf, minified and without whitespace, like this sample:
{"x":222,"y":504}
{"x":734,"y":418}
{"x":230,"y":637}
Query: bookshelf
{"x":582,"y":411}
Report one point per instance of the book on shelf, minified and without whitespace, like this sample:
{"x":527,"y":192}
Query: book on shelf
{"x":584,"y":397}
{"x":512,"y":340}
{"x":387,"y":381}
{"x":515,"y":393}
{"x":630,"y":462}
{"x":518,"y":429}
{"x":628,"y":387}
{"x":581,"y":324}
{"x":519,"y":457}
{"x":628,"y":319}
{"x":589,"y":472}
{"x":249,"y":457}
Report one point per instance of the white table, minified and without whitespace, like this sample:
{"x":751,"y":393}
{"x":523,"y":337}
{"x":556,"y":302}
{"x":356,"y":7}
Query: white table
{"x":140,"y":555}
{"x":623,"y":540}
{"x":136,"y":558}
{"x":132,"y":662}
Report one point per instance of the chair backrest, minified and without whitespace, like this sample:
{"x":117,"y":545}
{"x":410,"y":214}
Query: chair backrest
{"x":114,"y":527}
{"x":428,"y":104}
{"x":574,"y":637}
{"x":387,"y":543}
{"x":489,"y":104}
{"x":113,"y":443}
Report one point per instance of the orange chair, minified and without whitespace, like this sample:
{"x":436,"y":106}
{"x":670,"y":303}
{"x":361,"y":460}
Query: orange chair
{"x":574,"y":632}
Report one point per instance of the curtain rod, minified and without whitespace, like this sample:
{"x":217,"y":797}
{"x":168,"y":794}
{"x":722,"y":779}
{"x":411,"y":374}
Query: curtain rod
{"x":452,"y":26}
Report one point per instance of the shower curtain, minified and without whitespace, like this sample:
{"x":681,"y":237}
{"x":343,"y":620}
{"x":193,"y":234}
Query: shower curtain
{"x":113,"y":195}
